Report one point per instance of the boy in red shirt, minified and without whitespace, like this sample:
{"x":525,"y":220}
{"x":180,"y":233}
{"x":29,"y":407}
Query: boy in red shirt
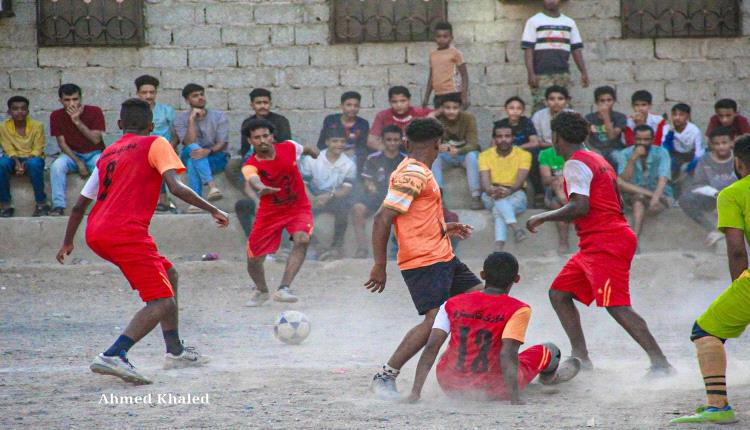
{"x":600,"y":270}
{"x":401,"y":114}
{"x":273,"y":173}
{"x":486,"y":329}
{"x":727,"y":115}
{"x":126,"y":184}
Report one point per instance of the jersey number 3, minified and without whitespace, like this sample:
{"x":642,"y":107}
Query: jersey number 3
{"x":483,"y":340}
{"x":107,"y":180}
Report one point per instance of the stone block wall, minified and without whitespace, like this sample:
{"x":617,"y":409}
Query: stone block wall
{"x":231,"y":46}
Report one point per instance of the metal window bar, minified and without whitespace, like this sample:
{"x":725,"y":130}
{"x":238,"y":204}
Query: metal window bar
{"x":90,"y":23}
{"x":681,"y":18}
{"x":361,"y":21}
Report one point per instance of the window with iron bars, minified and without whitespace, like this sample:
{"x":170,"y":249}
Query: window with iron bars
{"x":360,"y":21}
{"x":90,"y":23}
{"x":681,"y":18}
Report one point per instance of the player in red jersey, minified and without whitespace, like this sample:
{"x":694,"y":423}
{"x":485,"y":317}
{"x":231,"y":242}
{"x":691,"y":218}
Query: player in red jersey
{"x":273,"y":173}
{"x":486,"y":329}
{"x":600,"y":270}
{"x":126,"y":184}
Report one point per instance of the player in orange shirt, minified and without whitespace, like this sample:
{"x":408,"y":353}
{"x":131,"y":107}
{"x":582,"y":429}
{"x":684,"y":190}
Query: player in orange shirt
{"x":126,"y":184}
{"x":425,"y":256}
{"x":486,"y":328}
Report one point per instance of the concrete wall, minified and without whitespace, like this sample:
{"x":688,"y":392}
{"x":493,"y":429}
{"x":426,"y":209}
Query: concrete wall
{"x":231,"y":46}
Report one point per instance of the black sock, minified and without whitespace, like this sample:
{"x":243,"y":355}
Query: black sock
{"x":121,"y":347}
{"x":172,"y":339}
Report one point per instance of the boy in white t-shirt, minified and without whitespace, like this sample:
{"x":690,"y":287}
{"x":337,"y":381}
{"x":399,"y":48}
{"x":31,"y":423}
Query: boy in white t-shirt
{"x":549,"y":38}
{"x":683,"y":140}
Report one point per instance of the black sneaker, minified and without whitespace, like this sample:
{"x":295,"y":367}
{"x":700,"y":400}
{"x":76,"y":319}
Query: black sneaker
{"x":385,"y":387}
{"x":7,"y":212}
{"x":41,"y":210}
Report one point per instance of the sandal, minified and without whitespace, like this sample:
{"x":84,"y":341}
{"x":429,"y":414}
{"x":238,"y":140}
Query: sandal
{"x":362,"y":253}
{"x":57,"y":212}
{"x":162,"y":208}
{"x":330,"y":255}
{"x":6,"y":213}
{"x":519,"y":236}
{"x":41,"y":210}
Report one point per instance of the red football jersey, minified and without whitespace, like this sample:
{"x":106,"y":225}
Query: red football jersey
{"x":129,"y":182}
{"x":281,"y":172}
{"x":472,"y":360}
{"x":605,"y":203}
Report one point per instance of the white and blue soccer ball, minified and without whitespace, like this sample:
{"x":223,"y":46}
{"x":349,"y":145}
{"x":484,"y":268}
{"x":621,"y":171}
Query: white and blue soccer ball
{"x":291,"y":327}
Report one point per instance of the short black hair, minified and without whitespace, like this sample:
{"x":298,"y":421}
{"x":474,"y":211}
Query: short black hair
{"x":726,"y":104}
{"x":500,"y":269}
{"x":424,"y":130}
{"x":259,"y":92}
{"x":450,"y":97}
{"x":336,"y":133}
{"x":444,"y":25}
{"x":682,"y":107}
{"x":644,"y":127}
{"x":349,"y":95}
{"x":69,"y":90}
{"x":398,"y":89}
{"x":556,"y":89}
{"x":742,"y":148}
{"x":146,"y":80}
{"x":18,"y":99}
{"x":642,"y":96}
{"x":515,"y":99}
{"x":721,"y":131}
{"x":190,"y":89}
{"x":135,"y":114}
{"x":603,"y":90}
{"x":500,"y":125}
{"x":254,"y":124}
{"x":572,"y":127}
{"x":392,"y":129}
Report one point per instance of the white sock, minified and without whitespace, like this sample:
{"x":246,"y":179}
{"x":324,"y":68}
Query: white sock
{"x":390,"y":371}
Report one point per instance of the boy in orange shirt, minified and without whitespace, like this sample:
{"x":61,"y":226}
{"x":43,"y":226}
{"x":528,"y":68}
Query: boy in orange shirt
{"x":448,"y":73}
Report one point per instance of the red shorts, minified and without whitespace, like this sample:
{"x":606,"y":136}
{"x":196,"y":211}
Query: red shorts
{"x":490,"y":384}
{"x":140,"y":262}
{"x":601,"y":274}
{"x":265,"y":237}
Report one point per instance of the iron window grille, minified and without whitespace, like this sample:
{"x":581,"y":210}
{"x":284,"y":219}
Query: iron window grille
{"x":360,"y":21}
{"x":681,"y":18}
{"x":90,"y":23}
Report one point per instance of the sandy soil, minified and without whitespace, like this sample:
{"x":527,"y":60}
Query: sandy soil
{"x":54,"y":320}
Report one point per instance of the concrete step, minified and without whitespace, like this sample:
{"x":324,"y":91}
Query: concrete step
{"x":188,"y":236}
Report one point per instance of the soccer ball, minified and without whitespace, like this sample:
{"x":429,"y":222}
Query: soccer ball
{"x":291,"y":327}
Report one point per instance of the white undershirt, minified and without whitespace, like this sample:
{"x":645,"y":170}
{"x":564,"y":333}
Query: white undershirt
{"x":441,"y":320}
{"x":578,"y":177}
{"x":91,"y":189}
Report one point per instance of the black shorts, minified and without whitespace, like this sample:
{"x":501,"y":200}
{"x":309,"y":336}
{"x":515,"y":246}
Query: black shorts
{"x":371,"y":201}
{"x":432,"y":285}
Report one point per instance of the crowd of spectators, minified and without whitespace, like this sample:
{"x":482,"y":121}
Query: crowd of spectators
{"x":661,"y":159}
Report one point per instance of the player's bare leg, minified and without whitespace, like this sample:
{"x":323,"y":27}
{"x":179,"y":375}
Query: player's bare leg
{"x":571,"y":321}
{"x":359,"y":212}
{"x":257,"y":273}
{"x":637,"y":328}
{"x":174,"y":279}
{"x":639,"y":212}
{"x":301,"y":241}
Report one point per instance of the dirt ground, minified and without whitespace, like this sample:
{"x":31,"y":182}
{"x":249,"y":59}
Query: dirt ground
{"x":55,"y":319}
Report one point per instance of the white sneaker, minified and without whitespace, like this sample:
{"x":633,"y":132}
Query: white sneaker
{"x":118,"y":366}
{"x":257,"y":298}
{"x":284,"y":295}
{"x":190,"y":357}
{"x":385,"y":387}
{"x":214,"y":194}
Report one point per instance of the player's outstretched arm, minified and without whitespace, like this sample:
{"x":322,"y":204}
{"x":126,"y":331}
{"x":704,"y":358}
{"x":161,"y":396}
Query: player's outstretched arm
{"x":509,"y":365}
{"x":429,"y":355}
{"x":381,"y":232}
{"x":577,"y":207}
{"x":74,"y":221}
{"x":184,"y":193}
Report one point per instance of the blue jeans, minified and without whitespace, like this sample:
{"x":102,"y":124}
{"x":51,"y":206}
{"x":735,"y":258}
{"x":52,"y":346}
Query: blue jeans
{"x":468,"y":161}
{"x":504,"y":211}
{"x":201,"y":171}
{"x":58,"y":174}
{"x":35,"y":171}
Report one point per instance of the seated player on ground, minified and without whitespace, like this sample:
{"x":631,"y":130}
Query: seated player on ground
{"x":729,"y":315}
{"x":486,"y":329}
{"x":126,"y":183}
